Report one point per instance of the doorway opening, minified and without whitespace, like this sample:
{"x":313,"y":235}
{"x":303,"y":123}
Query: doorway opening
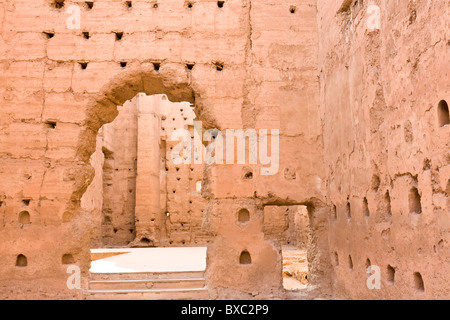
{"x":289,"y":225}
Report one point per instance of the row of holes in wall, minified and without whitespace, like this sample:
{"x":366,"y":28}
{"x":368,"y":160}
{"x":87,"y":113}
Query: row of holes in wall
{"x":22,"y":261}
{"x":157,"y":65}
{"x":119,"y":35}
{"x":390,"y":272}
{"x":59,"y":4}
{"x":414,"y":200}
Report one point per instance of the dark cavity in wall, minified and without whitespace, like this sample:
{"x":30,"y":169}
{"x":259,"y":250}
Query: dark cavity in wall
{"x":49,"y":34}
{"x":245,"y":258}
{"x":366,"y":208}
{"x":243,"y":215}
{"x":24,"y":217}
{"x":58,"y":4}
{"x":390,"y":274}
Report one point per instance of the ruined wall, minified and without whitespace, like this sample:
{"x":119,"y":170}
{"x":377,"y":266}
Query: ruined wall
{"x":288,"y":225}
{"x":386,"y":154}
{"x":112,"y":202}
{"x":249,"y":64}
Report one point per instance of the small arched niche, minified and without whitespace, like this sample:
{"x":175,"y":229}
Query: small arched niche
{"x":245,"y":258}
{"x":243,"y":215}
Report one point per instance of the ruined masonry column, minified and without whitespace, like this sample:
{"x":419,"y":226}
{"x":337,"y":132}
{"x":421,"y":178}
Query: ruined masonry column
{"x":148,"y":207}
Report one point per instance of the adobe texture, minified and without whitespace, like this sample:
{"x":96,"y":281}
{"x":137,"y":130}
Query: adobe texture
{"x":357,"y":112}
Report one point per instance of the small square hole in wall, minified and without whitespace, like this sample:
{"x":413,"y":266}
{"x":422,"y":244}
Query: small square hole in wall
{"x":247,"y":173}
{"x":90,"y":4}
{"x":190,"y":66}
{"x":58,"y":4}
{"x":123,"y":64}
{"x":375,"y":183}
{"x":156,"y":66}
{"x":220,"y":4}
{"x":128,"y":4}
{"x":292,"y":9}
{"x":119,"y":35}
{"x":189,"y":4}
{"x":49,"y":34}
{"x":86,"y":35}
{"x":26,"y":202}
